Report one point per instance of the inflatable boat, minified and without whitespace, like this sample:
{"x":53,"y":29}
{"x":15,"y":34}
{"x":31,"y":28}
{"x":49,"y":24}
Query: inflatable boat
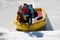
{"x":37,"y":23}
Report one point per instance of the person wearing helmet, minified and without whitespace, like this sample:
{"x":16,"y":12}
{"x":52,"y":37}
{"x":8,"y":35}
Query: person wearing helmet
{"x":31,"y":11}
{"x":26,"y":12}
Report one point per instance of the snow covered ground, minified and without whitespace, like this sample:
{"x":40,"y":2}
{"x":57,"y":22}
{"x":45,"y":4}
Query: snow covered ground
{"x":8,"y":10}
{"x":6,"y":34}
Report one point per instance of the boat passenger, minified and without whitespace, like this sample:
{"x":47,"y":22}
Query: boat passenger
{"x":26,"y":12}
{"x":20,"y":14}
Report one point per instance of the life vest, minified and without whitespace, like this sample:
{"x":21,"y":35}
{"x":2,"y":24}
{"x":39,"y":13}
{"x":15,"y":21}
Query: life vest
{"x":25,"y":10}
